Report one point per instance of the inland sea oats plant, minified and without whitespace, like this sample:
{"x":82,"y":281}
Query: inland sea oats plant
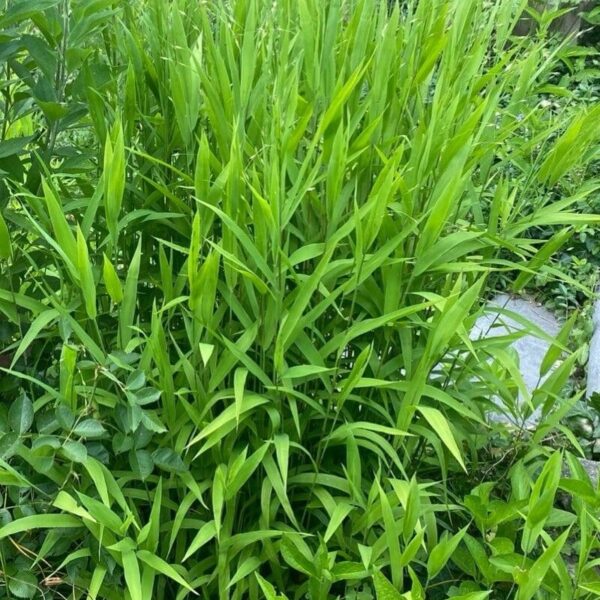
{"x":242,"y":247}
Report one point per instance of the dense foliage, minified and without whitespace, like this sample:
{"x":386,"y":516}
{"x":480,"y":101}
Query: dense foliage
{"x":242,"y":248}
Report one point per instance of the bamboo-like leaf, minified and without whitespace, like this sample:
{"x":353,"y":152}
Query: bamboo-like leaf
{"x":442,"y":552}
{"x":112,"y":281}
{"x":439,"y":424}
{"x":541,"y":501}
{"x":238,"y":385}
{"x":533,"y":578}
{"x":62,"y":231}
{"x":41,"y":321}
{"x":392,"y":534}
{"x":555,"y":243}
{"x":114,"y":177}
{"x":127,"y":310}
{"x":86,"y":276}
{"x":131,"y":569}
{"x":25,"y":524}
{"x":559,"y":346}
{"x":5,"y":243}
{"x":207,"y":532}
{"x":159,"y":565}
{"x":384,"y":589}
{"x":302,"y":208}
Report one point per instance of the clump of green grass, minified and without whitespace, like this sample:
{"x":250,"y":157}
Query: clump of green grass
{"x":239,"y":278}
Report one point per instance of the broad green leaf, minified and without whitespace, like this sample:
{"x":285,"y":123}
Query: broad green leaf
{"x":282,"y":452}
{"x":153,"y":524}
{"x":23,"y":584}
{"x":168,"y":460}
{"x":142,"y":463}
{"x":74,"y":451}
{"x":412,"y":511}
{"x":384,"y":589}
{"x":89,"y":428}
{"x":20,"y":414}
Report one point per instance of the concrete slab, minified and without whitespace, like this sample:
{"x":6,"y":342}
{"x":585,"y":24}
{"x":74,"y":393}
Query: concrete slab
{"x":593,"y":365}
{"x":530,"y":348}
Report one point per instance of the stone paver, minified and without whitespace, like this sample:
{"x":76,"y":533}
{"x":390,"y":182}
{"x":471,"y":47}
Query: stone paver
{"x":530,"y":348}
{"x":593,"y":365}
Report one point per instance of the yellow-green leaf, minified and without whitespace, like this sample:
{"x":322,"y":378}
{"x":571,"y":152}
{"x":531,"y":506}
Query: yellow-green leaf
{"x":439,"y":424}
{"x":86,"y":275}
{"x":112,"y":281}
